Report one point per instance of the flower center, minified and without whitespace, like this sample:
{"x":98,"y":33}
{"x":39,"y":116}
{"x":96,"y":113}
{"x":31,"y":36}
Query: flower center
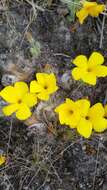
{"x":89,"y":70}
{"x":19,"y":101}
{"x":71,"y":112}
{"x":45,"y":87}
{"x":90,"y":8}
{"x":87,"y":117}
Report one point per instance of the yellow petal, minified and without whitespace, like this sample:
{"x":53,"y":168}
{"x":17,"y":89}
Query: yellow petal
{"x":101,"y":8}
{"x":30,"y":99}
{"x":80,"y":61}
{"x":10,"y":109}
{"x":43,"y":95}
{"x":50,"y":83}
{"x":99,"y":124}
{"x":21,"y":88}
{"x":69,"y":119}
{"x":23,"y":112}
{"x":52,"y":78}
{"x":84,"y":128}
{"x":35,"y":87}
{"x":70,"y":102}
{"x":97,"y":10}
{"x":101,"y":71}
{"x":59,"y":108}
{"x":51,"y":89}
{"x":62,"y":107}
{"x":87,"y":4}
{"x":84,"y":106}
{"x":82,"y":14}
{"x":2,"y":159}
{"x":9,"y":94}
{"x":41,"y":78}
{"x":62,"y":118}
{"x":89,"y":78}
{"x":95,"y":59}
{"x":78,"y":72}
{"x":96,"y":111}
{"x":74,"y":119}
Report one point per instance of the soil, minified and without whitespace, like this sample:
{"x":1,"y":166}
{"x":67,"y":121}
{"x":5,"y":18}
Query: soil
{"x":50,"y":157}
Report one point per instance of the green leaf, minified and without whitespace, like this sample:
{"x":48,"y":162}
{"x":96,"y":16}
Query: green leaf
{"x":73,"y":6}
{"x":35,"y":49}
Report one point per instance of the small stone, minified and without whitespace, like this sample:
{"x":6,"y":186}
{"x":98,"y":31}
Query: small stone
{"x":66,"y":81}
{"x":8,"y":79}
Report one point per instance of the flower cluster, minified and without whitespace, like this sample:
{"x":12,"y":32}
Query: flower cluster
{"x":20,"y":98}
{"x":82,"y":116}
{"x":89,"y":9}
{"x":89,"y":69}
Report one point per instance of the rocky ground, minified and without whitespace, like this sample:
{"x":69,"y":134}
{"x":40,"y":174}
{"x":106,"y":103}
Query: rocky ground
{"x":47,"y":156}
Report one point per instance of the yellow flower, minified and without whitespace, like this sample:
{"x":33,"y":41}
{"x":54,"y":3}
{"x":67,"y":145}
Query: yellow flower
{"x":2,"y":159}
{"x":89,"y":9}
{"x":91,"y":118}
{"x":44,"y":86}
{"x":69,"y":113}
{"x":89,"y":70}
{"x":19,"y":100}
